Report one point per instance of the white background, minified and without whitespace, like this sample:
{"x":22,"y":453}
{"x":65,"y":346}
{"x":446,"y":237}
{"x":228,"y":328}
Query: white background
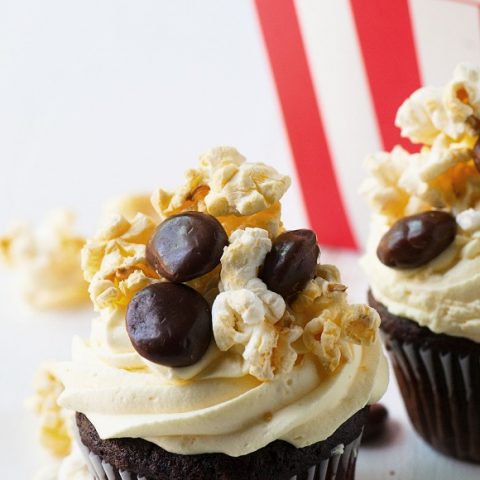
{"x":100,"y":98}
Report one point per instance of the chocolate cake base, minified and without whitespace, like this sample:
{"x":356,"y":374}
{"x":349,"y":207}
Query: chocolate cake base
{"x":132,"y":459}
{"x":439,"y":379}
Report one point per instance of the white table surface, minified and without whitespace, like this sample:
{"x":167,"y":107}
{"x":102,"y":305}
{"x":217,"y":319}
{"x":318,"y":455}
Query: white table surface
{"x":29,"y":338}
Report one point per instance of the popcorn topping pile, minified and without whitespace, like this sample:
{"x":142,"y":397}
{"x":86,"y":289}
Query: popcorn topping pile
{"x":249,"y":316}
{"x":443,"y":175}
{"x":236,"y":192}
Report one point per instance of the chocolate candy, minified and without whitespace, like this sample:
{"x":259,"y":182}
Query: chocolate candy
{"x":376,"y":423}
{"x":186,"y":246}
{"x":414,"y":241}
{"x":169,"y":324}
{"x":291,"y":262}
{"x":476,"y":154}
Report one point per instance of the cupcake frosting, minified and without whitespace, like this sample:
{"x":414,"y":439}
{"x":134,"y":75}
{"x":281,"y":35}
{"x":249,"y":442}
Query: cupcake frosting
{"x":276,"y":368}
{"x":443,"y":175}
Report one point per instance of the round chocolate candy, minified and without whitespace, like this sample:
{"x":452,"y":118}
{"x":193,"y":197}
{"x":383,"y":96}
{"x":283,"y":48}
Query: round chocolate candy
{"x":169,"y":324}
{"x":291,"y":262}
{"x":476,"y":154}
{"x":376,"y":423}
{"x":415,"y":240}
{"x":186,"y":246}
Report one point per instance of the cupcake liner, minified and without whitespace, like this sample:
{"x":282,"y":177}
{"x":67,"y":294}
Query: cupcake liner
{"x":340,"y":466}
{"x":441,"y":392}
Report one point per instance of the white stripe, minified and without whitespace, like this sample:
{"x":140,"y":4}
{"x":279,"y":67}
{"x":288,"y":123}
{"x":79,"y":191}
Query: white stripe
{"x":447,"y":32}
{"x":343,"y":95}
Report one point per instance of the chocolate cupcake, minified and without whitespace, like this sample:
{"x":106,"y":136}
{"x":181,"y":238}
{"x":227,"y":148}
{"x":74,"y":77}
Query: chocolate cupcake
{"x":222,"y":348}
{"x":423,"y":261}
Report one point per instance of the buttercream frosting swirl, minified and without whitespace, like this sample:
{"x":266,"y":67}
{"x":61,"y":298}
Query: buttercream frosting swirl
{"x":443,"y":294}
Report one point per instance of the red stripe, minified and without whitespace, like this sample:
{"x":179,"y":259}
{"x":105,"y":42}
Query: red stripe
{"x":323,"y":200}
{"x":386,"y":38}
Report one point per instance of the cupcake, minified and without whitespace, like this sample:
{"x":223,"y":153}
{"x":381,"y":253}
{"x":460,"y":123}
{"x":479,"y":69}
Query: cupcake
{"x":423,"y":261}
{"x":222,"y":348}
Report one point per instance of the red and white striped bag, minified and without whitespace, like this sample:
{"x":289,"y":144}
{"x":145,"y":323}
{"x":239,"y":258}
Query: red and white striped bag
{"x":341,"y":69}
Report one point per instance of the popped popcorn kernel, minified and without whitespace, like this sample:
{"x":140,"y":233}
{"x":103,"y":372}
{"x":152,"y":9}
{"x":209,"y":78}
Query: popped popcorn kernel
{"x":54,"y":432}
{"x":114,"y":262}
{"x":46,"y":262}
{"x":323,"y":337}
{"x":469,"y":220}
{"x":244,"y":189}
{"x":268,"y":219}
{"x":389,"y":186}
{"x":129,"y":205}
{"x":330,"y":324}
{"x":321,"y":292}
{"x":360,"y":324}
{"x":431,"y":111}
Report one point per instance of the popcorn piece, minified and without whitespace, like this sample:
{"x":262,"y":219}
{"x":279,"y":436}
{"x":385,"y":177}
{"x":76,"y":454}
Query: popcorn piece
{"x":54,"y":431}
{"x":322,"y":336}
{"x":268,"y":219}
{"x":414,"y":116}
{"x":431,"y":111}
{"x":446,"y":176}
{"x":328,"y":336}
{"x":243,"y":257}
{"x":225,"y":186}
{"x":385,"y":189}
{"x":444,"y":155}
{"x":220,"y":157}
{"x":469,"y":220}
{"x":246,"y":316}
{"x":330,"y":323}
{"x":360,"y":324}
{"x":114,"y":261}
{"x":324,"y":291}
{"x":129,"y":205}
{"x":46,"y":262}
{"x":244,"y":189}
{"x":190,"y":196}
{"x":285,"y":355}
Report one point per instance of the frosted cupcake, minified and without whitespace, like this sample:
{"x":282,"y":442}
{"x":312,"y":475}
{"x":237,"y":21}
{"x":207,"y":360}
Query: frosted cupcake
{"x":222,"y":348}
{"x":423,"y":261}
